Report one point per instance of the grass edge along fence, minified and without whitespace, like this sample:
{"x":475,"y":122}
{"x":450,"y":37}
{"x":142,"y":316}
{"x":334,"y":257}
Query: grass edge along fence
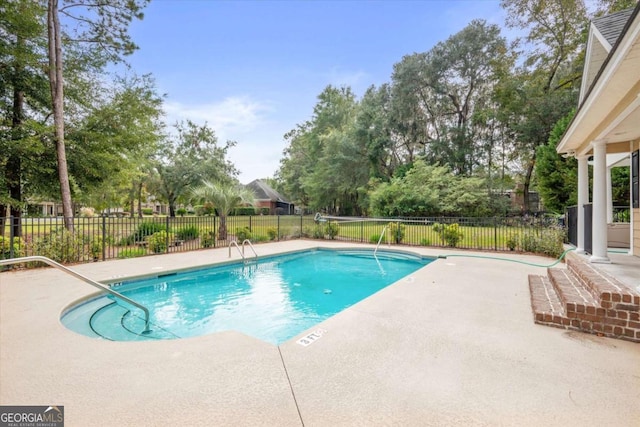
{"x":105,"y":238}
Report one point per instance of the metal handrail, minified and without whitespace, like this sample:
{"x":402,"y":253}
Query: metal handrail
{"x":83,"y":278}
{"x":251,"y":246}
{"x":380,"y":239}
{"x":234,"y":243}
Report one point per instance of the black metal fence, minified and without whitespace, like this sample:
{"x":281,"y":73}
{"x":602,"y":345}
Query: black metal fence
{"x":104,"y":238}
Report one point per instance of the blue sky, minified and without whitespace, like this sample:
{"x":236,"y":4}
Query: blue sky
{"x":253,"y":69}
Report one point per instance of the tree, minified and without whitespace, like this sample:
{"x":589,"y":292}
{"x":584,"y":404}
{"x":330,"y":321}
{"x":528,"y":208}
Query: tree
{"x":428,"y":190}
{"x":191,"y":156}
{"x":546,"y":87}
{"x":557,"y":176}
{"x":110,"y":146}
{"x":372,"y":130}
{"x":436,"y":93}
{"x":108,"y":31}
{"x":23,"y":102}
{"x":324,"y":166}
{"x":224,"y":197}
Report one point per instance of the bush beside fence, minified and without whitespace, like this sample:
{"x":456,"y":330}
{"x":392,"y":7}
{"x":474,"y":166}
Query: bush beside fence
{"x":104,"y":238}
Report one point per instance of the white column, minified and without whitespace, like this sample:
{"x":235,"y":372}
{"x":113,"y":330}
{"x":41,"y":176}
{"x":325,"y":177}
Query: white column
{"x":583,"y":198}
{"x":599,"y":231}
{"x":609,"y":198}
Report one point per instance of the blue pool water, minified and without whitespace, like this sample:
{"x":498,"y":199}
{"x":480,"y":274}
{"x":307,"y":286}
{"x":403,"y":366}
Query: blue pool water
{"x":273,"y":299}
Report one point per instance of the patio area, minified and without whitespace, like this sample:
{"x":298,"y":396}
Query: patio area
{"x":452,"y":344}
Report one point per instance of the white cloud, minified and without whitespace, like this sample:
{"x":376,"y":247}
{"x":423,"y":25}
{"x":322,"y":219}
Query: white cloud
{"x":232,"y":116}
{"x":249,"y":122}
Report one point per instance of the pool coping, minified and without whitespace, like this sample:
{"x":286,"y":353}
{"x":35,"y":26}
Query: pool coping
{"x":128,"y":283}
{"x":462,"y":341}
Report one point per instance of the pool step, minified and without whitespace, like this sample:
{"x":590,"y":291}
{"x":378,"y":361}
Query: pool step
{"x":117,"y":322}
{"x":582,"y":298}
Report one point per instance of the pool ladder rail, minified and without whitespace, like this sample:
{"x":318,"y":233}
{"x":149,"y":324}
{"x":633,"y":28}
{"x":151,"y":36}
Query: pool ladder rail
{"x":84,"y":279}
{"x":241,"y":252}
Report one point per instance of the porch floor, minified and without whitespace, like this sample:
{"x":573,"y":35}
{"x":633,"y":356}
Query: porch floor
{"x":624,"y":267}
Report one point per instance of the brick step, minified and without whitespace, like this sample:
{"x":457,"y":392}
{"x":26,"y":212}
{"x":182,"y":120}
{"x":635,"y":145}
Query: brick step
{"x":609,"y":292}
{"x":546,"y":305}
{"x":575,"y":297}
{"x":562,"y":300}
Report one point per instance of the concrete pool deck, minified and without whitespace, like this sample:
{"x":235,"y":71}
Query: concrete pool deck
{"x":452,"y":344}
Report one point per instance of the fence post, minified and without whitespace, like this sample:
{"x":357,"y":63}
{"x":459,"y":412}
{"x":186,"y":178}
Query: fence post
{"x":215,"y":238}
{"x":250,"y":223}
{"x":361,"y":231}
{"x":11,"y":235}
{"x":278,"y":228}
{"x":104,"y":237}
{"x":301,"y":231}
{"x":167,"y":238}
{"x":495,"y":233}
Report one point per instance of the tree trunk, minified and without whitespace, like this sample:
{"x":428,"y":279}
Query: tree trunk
{"x":13,"y":173}
{"x":140,"y":199}
{"x":132,"y":201}
{"x":527,"y":183}
{"x":3,"y":218}
{"x":57,"y":99}
{"x":15,"y":192}
{"x":222,"y":231}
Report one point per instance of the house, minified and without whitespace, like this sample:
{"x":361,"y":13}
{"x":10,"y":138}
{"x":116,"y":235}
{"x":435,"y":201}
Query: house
{"x":605,"y":131}
{"x":267,"y":197}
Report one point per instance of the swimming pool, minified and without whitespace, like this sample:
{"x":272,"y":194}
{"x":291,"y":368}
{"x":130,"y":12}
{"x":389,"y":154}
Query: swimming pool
{"x":272,"y":299}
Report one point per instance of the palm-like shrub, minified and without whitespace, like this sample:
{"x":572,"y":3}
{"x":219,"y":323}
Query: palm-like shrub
{"x":225,"y":197}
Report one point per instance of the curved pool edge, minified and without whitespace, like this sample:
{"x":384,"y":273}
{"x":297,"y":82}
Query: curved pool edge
{"x":97,"y":304}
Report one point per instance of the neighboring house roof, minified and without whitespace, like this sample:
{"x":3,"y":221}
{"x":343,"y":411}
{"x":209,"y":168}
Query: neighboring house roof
{"x":264,"y":192}
{"x":611,"y":26}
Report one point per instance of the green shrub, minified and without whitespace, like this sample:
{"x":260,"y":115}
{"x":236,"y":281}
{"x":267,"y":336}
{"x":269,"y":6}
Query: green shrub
{"x":396,"y":231}
{"x":147,"y":211}
{"x":547,"y":242}
{"x":19,"y":250}
{"x":131,"y":253}
{"x":511,"y":243}
{"x":144,"y":229}
{"x":158,"y":241}
{"x":181,"y":212}
{"x":332,"y":229}
{"x":243,"y":233}
{"x":5,"y":250}
{"x":208,"y":239}
{"x":244,"y":211}
{"x":296,"y":232}
{"x":375,"y":238}
{"x":325,"y":230}
{"x":95,"y":247}
{"x":449,"y":234}
{"x":264,"y":211}
{"x":204,"y":210}
{"x":425,"y":242}
{"x":529,"y":243}
{"x":61,"y":245}
{"x":188,"y":232}
{"x":307,"y":231}
{"x":259,"y":238}
{"x":272,"y":233}
{"x":5,"y":247}
{"x":318,"y":232}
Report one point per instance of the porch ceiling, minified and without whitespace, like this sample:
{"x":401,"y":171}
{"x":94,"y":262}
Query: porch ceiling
{"x":611,"y":111}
